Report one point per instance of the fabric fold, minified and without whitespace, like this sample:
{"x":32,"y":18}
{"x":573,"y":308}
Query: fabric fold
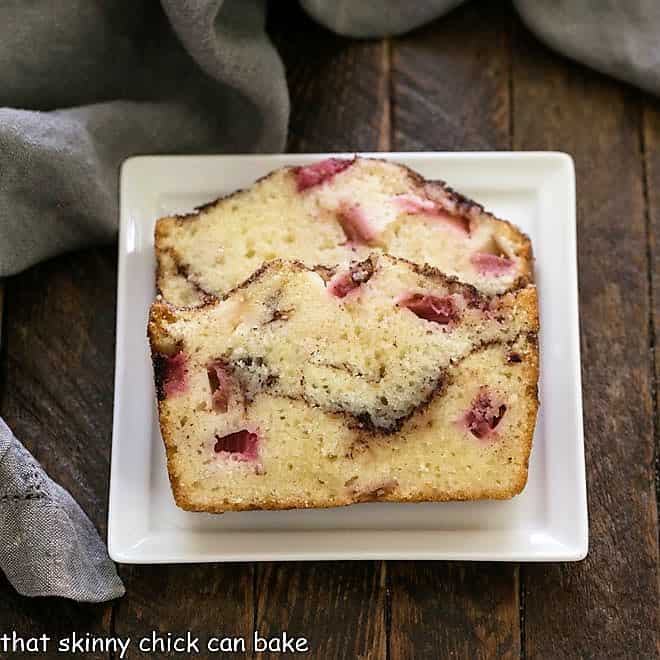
{"x":48,"y":546}
{"x":60,"y":167}
{"x":374,"y":19}
{"x":620,"y":38}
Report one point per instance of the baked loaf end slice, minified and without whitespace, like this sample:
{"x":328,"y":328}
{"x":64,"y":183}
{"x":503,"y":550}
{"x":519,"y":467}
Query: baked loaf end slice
{"x":333,"y":212}
{"x":317,"y":387}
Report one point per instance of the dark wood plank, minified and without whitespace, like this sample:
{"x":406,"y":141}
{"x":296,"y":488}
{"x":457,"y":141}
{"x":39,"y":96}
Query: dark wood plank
{"x":206,"y":600}
{"x":339,"y":87}
{"x":651,"y":143}
{"x":57,"y":372}
{"x":450,"y":84}
{"x":606,"y":606}
{"x":454,"y":610}
{"x":338,"y":607}
{"x":58,"y":619}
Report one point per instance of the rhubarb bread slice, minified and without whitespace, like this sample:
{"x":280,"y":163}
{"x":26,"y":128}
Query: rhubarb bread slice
{"x":318,"y":387}
{"x":333,"y":212}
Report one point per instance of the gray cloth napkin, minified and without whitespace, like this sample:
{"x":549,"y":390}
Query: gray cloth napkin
{"x":48,"y":545}
{"x":87,"y":84}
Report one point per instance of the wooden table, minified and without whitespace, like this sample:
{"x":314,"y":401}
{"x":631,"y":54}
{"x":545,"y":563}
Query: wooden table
{"x":473,"y":80}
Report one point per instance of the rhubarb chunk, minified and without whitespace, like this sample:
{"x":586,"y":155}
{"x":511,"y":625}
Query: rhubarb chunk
{"x":175,"y":374}
{"x":355,"y":224}
{"x":345,"y":282}
{"x":220,"y":384}
{"x":240,"y":446}
{"x":417,"y":205}
{"x":484,"y":415}
{"x":432,"y":308}
{"x":491,"y":264}
{"x":318,"y":173}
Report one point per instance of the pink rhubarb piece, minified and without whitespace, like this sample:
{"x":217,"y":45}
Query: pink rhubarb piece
{"x":309,"y":176}
{"x":220,"y":384}
{"x":432,"y":308}
{"x":355,"y":224}
{"x":176,"y":372}
{"x":240,"y":445}
{"x":484,"y":415}
{"x":346,"y":282}
{"x":491,"y":264}
{"x":416,"y":205}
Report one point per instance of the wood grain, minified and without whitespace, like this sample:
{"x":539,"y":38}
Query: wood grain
{"x":339,"y":87}
{"x":454,"y":610}
{"x":450,"y":83}
{"x":606,"y":606}
{"x":60,"y":365}
{"x":207,"y":600}
{"x":339,"y":607}
{"x":57,"y":397}
{"x":54,"y":617}
{"x":651,"y":146}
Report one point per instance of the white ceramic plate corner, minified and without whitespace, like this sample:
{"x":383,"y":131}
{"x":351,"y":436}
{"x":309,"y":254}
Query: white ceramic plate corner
{"x":547,"y":522}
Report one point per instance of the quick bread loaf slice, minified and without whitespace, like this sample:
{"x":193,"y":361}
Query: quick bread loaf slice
{"x":318,"y":387}
{"x":333,"y":212}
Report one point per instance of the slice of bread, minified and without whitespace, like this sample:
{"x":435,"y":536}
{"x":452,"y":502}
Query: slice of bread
{"x":318,"y":387}
{"x":331,"y":213}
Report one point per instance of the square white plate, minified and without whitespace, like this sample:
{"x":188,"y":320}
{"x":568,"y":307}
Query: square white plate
{"x":547,"y":522}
